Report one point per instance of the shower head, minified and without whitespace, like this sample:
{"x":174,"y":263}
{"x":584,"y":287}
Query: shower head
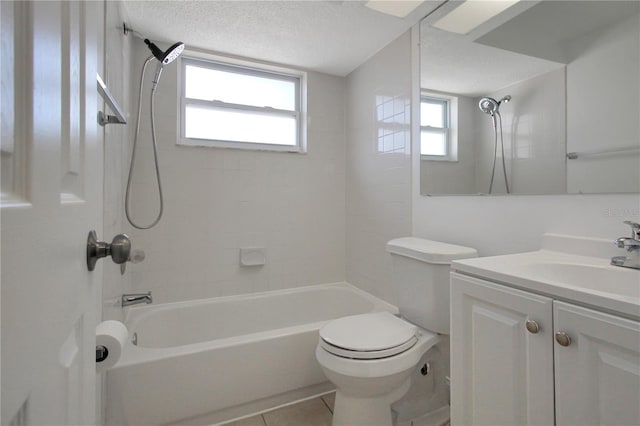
{"x":491,"y":106}
{"x":168,"y":56}
{"x":488,"y":105}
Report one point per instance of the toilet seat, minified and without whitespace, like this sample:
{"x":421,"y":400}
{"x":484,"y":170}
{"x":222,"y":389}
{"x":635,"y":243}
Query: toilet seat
{"x":368,"y":336}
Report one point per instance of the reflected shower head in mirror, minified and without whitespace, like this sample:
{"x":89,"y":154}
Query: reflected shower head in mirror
{"x":169,"y":55}
{"x":491,"y":106}
{"x":488,"y":105}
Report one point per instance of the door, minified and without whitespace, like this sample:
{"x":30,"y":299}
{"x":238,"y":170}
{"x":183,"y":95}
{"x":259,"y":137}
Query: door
{"x":598,"y":372}
{"x":51,"y":198}
{"x":501,"y":367}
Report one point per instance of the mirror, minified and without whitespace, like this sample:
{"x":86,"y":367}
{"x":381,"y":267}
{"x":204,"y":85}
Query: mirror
{"x":542,"y":98}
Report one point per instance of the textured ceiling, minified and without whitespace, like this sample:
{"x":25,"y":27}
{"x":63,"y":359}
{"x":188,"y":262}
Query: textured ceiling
{"x":334,"y":37}
{"x":527,"y":41}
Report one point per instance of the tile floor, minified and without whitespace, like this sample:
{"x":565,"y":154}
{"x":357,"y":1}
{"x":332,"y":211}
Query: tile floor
{"x":313,"y":412}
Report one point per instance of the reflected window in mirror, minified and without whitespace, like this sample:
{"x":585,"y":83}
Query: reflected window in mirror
{"x":438,"y":140}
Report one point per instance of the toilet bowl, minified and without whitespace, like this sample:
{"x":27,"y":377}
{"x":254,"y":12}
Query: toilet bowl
{"x":371,"y":358}
{"x":372,"y":370}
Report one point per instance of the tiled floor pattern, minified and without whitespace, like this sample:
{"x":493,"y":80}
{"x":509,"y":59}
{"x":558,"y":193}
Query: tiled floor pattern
{"x":313,"y":412}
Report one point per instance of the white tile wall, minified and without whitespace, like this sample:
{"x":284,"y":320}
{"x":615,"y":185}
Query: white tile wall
{"x":218,"y":200}
{"x":378,"y":165}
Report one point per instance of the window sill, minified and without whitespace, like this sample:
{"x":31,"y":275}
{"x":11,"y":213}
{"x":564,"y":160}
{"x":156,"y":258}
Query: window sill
{"x":246,"y":146}
{"x":438,"y":159}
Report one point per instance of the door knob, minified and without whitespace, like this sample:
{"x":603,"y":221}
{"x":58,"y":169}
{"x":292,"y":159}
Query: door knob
{"x":119,"y":249}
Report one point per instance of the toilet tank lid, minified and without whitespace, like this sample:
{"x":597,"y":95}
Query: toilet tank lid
{"x":429,"y":251}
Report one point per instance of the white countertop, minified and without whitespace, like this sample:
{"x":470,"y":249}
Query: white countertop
{"x":574,"y":269}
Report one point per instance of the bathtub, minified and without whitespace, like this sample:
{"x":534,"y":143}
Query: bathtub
{"x":212,"y":360}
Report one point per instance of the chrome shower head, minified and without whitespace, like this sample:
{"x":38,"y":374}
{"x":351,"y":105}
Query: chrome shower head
{"x":488,"y":105}
{"x":169,"y":55}
{"x":491,"y":106}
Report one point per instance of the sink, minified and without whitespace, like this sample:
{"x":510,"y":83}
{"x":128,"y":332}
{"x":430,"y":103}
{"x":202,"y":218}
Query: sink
{"x":601,"y":278}
{"x":566,"y":268}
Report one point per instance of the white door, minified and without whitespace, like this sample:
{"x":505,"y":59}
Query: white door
{"x":51,"y":198}
{"x":598,"y":373}
{"x":501,"y":373}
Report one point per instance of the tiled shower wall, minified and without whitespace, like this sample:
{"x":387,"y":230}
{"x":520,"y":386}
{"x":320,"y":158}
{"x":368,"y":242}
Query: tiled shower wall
{"x":219,"y":200}
{"x":378,"y":165}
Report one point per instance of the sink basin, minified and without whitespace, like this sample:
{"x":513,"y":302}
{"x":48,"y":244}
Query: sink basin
{"x":606,"y":279}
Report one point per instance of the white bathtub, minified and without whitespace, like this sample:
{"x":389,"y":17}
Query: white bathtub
{"x":208,"y":361}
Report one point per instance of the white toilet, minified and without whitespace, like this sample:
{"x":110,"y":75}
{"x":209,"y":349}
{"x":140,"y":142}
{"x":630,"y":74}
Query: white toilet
{"x":371,"y":358}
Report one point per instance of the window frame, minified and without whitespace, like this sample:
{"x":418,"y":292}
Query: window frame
{"x":449,"y":121}
{"x":243,"y":67}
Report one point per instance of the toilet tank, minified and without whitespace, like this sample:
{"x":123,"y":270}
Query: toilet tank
{"x":421,"y":279}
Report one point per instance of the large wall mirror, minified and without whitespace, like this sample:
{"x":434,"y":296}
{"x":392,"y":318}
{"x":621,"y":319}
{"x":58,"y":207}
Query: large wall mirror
{"x":542,"y":97}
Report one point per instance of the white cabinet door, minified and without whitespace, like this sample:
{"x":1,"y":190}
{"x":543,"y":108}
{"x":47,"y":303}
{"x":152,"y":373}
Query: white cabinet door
{"x":501,"y":373}
{"x":51,"y":198}
{"x":598,"y":373}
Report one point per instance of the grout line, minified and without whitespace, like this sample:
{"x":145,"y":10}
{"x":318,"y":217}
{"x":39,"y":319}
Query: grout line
{"x":327,"y":405}
{"x":264,"y":421}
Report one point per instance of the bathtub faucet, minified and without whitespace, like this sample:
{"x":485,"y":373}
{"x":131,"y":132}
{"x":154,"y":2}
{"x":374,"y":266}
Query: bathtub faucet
{"x":134,"y":299}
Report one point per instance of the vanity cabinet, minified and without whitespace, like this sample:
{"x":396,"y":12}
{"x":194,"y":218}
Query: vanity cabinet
{"x":597,"y":376}
{"x":518,"y":358}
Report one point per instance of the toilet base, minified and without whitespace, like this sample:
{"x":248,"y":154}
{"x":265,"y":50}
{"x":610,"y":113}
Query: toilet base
{"x":366,"y":411}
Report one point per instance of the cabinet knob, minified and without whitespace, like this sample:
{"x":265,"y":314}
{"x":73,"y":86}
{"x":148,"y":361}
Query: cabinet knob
{"x":563,"y":338}
{"x":532,"y":327}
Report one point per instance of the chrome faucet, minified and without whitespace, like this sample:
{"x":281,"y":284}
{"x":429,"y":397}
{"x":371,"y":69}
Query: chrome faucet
{"x":632,"y":245}
{"x":134,"y":299}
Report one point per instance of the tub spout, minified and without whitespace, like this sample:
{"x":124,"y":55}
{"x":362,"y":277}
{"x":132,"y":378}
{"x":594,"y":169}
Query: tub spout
{"x":134,"y":299}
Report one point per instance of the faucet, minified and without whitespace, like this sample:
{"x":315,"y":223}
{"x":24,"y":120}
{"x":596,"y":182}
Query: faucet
{"x":632,"y":245}
{"x":134,"y":299}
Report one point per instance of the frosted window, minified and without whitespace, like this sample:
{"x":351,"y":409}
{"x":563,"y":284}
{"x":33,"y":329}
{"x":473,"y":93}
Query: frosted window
{"x":239,"y":126}
{"x":432,"y":114}
{"x":433,"y":143}
{"x":235,"y":88}
{"x":434,"y":131}
{"x":233,"y":106}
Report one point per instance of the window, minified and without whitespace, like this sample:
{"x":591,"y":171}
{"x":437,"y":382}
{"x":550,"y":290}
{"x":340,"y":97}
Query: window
{"x":236,"y":106}
{"x":436,"y":141}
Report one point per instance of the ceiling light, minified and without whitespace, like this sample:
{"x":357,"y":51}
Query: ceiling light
{"x":471,"y":14}
{"x":398,"y":8}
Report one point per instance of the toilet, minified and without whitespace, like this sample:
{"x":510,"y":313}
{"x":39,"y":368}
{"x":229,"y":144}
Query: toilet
{"x":372,"y":359}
